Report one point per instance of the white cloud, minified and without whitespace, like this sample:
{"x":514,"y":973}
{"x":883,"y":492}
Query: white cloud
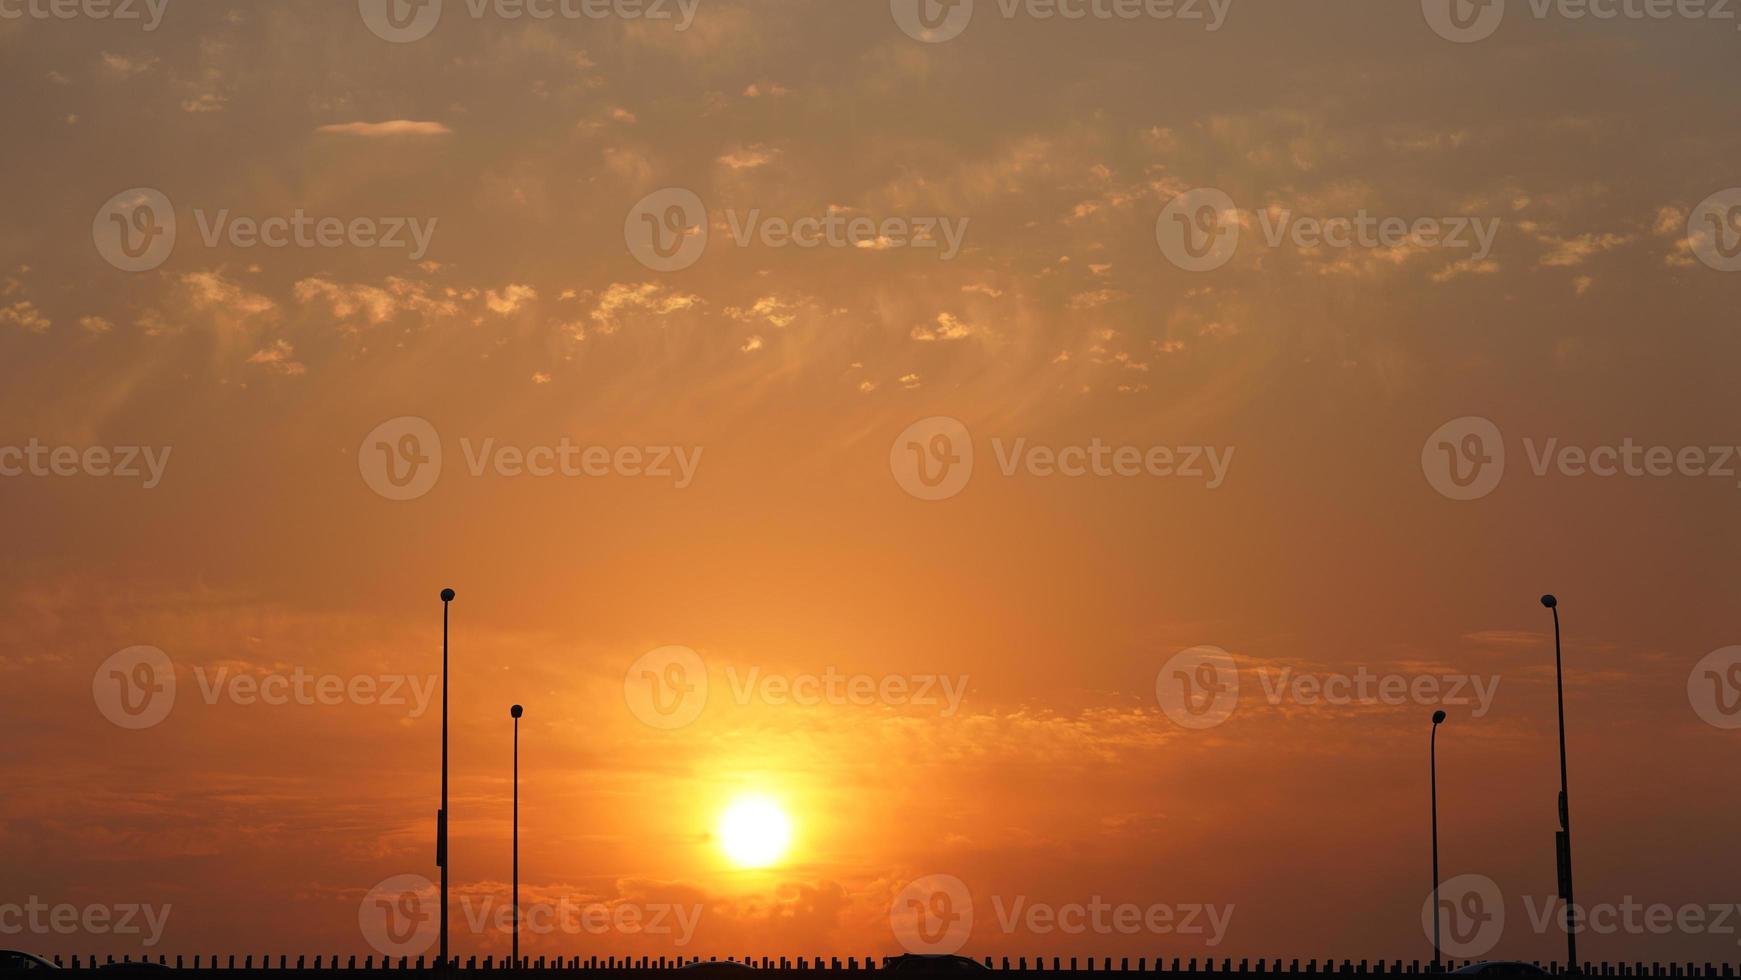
{"x":391,"y":127}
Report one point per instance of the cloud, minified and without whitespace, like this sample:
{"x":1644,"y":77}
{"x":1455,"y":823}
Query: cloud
{"x":278,"y":358}
{"x":24,"y":314}
{"x":204,"y":102}
{"x":1569,"y":252}
{"x":772,"y":309}
{"x":510,"y":299}
{"x":210,"y":292}
{"x":949,"y":327}
{"x":376,"y":304}
{"x":1466,"y":267}
{"x":127,"y":66}
{"x":747,"y":158}
{"x":392,"y":127}
{"x":646,"y":297}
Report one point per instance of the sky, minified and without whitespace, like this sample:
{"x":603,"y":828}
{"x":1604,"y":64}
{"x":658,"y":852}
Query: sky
{"x":1039,"y":473}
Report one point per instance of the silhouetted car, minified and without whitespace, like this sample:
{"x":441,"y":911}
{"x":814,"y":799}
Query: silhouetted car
{"x":1500,"y":968}
{"x":12,"y":959}
{"x":933,"y":962}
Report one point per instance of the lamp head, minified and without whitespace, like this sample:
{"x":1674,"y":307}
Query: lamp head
{"x":516,"y":711}
{"x":1438,"y":717}
{"x":1549,"y":601}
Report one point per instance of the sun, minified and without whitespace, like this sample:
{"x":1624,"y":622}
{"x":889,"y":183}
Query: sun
{"x":754,"y":831}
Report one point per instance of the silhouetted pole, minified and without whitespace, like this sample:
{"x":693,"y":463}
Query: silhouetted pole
{"x":1563,"y":848}
{"x":516,"y":711}
{"x":441,"y":819}
{"x":1433,"y":765}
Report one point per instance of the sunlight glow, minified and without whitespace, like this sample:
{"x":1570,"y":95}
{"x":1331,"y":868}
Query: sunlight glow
{"x":754,"y":831}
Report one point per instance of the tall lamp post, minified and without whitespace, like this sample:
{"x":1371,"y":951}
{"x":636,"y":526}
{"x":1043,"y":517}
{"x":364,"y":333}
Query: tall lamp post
{"x":515,"y":712}
{"x":1563,"y":839}
{"x":1433,"y":766}
{"x":441,"y":815}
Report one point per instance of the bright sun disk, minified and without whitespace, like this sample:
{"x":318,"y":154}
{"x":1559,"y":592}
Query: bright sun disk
{"x":754,"y":831}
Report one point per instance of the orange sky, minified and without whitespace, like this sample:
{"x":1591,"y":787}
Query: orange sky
{"x":1012,"y":635}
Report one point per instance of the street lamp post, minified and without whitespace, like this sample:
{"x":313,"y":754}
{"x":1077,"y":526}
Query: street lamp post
{"x":516,"y":711}
{"x":1563,"y":839}
{"x":1433,"y":766}
{"x":441,"y":815}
